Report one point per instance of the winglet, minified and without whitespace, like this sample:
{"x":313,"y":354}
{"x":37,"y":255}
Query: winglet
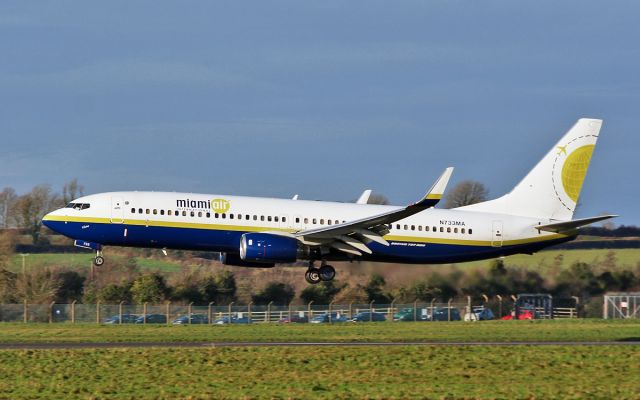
{"x":434,"y":194}
{"x":295,"y":197}
{"x":364,"y":197}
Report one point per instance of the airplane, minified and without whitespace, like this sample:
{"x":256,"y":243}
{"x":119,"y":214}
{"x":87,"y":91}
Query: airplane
{"x":263,"y":232}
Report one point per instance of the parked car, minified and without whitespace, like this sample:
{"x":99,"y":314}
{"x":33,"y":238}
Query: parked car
{"x":479,"y":314}
{"x":442,"y":314}
{"x":195,"y":319}
{"x":234,"y":320}
{"x":407,"y":314}
{"x":295,"y":319}
{"x":368,"y":316}
{"x":152,"y":319}
{"x":324,"y":318}
{"x":126,"y":319}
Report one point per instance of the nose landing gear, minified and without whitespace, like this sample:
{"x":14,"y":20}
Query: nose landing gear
{"x":99,"y":260}
{"x":314,"y":275}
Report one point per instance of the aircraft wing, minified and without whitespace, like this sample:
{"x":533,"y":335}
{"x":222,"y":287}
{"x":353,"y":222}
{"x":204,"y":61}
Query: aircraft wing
{"x":350,"y":236}
{"x":565,"y":226}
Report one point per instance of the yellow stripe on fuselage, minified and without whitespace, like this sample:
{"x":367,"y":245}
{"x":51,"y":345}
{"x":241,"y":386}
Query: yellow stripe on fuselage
{"x":244,"y":228}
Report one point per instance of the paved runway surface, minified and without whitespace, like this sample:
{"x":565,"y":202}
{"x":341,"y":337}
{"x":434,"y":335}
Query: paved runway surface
{"x":107,"y":345}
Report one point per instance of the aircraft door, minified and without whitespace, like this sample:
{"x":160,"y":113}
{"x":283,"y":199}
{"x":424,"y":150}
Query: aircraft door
{"x":497,"y":234}
{"x":117,"y":210}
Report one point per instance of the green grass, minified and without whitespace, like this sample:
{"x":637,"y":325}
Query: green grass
{"x":605,"y":372}
{"x":486,"y":331}
{"x":82,"y":260}
{"x":544,"y":260}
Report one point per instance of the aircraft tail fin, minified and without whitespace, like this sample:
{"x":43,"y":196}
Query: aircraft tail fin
{"x":552,"y":188}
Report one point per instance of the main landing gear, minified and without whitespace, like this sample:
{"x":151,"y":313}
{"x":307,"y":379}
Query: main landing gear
{"x":99,"y":260}
{"x":316,"y":275}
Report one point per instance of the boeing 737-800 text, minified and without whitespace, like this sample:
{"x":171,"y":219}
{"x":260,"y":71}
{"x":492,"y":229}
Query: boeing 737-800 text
{"x":262,"y":232}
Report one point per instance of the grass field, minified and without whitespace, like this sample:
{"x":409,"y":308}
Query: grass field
{"x":486,"y":331}
{"x":541,"y":261}
{"x":605,"y":372}
{"x":460,"y":371}
{"x":82,"y":260}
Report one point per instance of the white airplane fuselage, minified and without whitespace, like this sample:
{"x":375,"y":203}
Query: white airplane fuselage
{"x":188,"y":221}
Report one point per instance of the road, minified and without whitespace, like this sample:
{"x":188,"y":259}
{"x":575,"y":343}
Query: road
{"x":107,"y":345}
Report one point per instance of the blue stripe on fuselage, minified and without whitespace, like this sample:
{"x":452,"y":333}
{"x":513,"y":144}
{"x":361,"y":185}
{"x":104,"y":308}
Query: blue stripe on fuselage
{"x":229,"y":241}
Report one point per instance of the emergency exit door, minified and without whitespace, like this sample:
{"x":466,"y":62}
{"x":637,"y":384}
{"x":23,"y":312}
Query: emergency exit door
{"x":117,"y":210}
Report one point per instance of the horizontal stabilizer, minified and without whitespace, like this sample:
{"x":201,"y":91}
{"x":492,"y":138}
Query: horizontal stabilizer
{"x":565,"y":226}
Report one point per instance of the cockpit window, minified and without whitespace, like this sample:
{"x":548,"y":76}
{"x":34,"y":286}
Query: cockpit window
{"x":78,"y":206}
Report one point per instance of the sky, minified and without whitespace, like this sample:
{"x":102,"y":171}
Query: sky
{"x":324,"y":99}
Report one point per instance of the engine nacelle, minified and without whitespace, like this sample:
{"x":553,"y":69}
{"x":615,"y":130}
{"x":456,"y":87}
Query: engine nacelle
{"x":234,"y":259}
{"x":265,"y":247}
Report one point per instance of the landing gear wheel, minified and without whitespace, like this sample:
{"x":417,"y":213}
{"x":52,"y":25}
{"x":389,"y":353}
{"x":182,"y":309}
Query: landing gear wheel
{"x":98,"y":261}
{"x":327,"y":273}
{"x":312,"y":276}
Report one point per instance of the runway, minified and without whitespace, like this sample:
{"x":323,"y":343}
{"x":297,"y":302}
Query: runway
{"x":113,"y":345}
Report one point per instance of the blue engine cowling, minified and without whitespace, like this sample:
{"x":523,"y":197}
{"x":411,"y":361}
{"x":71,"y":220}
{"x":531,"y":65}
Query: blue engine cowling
{"x":268,"y":248}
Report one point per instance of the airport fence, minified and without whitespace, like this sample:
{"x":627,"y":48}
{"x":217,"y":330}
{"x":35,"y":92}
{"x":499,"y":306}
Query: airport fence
{"x":168,"y":313}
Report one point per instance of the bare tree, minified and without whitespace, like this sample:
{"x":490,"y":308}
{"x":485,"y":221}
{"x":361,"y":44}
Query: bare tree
{"x":31,"y":207}
{"x":466,"y":193}
{"x":8,"y":199}
{"x":72,"y":190}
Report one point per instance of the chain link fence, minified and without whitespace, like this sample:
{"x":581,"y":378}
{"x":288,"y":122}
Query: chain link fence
{"x":170,"y":313}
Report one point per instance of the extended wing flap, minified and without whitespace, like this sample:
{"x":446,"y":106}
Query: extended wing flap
{"x":565,"y":226}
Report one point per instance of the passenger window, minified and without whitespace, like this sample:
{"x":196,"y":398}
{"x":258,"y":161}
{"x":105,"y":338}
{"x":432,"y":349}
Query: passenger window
{"x":284,"y":219}
{"x":413,"y":227}
{"x":208,"y":215}
{"x":462,"y":230}
{"x":328,"y":222}
{"x":239,"y":216}
{"x":426,"y":229}
{"x":315,"y":221}
{"x":255,"y":217}
{"x":449,"y":230}
{"x":470,"y":231}
{"x":224,"y":216}
{"x":321,"y":221}
{"x":169,"y":212}
{"x":139,"y":210}
{"x":161,"y":212}
{"x":216,"y":215}
{"x":184,"y":213}
{"x":455,"y":230}
{"x":306,"y":220}
{"x":262,"y":218}
{"x":177,"y":213}
{"x":406,"y":227}
{"x":297,"y":220}
{"x":435,"y":229}
{"x":420,"y":228}
{"x":269,"y":218}
{"x":155,"y":212}
{"x":275,"y":219}
{"x":199,"y":214}
{"x":337,"y":222}
{"x":441,"y":229}
{"x":397,"y":226}
{"x":193,"y":214}
{"x":133,"y":211}
{"x":148,"y":211}
{"x":230,"y":216}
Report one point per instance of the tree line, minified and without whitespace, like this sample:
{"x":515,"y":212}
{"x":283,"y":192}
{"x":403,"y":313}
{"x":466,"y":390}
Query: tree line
{"x":26,"y":211}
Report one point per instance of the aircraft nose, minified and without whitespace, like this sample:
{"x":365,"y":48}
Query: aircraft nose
{"x":49,"y":219}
